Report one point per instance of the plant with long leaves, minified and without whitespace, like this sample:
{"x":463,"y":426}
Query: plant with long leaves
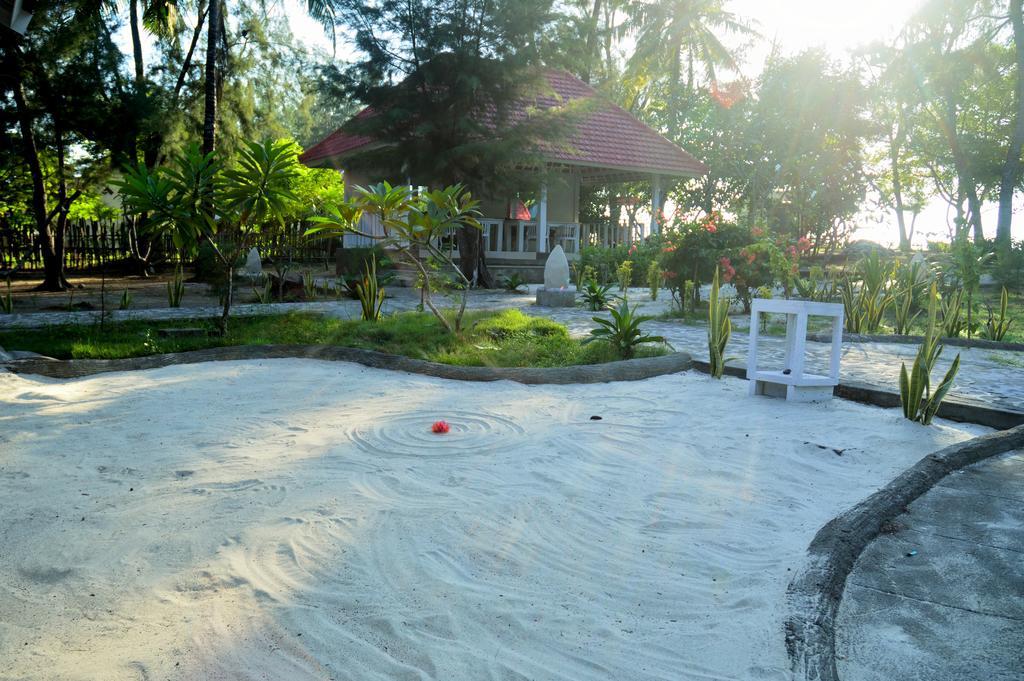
{"x":176,"y":288}
{"x":7,"y":300}
{"x":370,"y":292}
{"x":996,"y":328}
{"x":953,"y":322}
{"x":719,"y":328}
{"x":596,"y":296}
{"x":919,"y":402}
{"x":199,"y":199}
{"x":412,"y":225}
{"x":622,"y":331}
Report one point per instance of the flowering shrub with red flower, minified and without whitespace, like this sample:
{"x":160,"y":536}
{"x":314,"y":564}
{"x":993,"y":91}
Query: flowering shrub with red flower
{"x":692,"y":248}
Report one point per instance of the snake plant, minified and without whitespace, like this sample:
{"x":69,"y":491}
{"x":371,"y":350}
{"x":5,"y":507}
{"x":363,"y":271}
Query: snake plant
{"x":919,"y":402}
{"x":719,"y":328}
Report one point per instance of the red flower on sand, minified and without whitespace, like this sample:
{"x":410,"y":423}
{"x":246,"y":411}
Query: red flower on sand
{"x":440,"y":427}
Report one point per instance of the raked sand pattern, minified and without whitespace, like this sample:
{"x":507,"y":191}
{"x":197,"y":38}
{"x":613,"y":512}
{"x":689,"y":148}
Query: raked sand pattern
{"x":296,"y":519}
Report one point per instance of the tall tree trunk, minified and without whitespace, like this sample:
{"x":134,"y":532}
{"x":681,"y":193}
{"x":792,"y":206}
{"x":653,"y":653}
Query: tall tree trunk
{"x":1012,"y":166}
{"x":133,"y":20}
{"x":592,"y":40}
{"x":472,"y":259}
{"x":53,"y":278}
{"x":965,"y":178}
{"x":213,"y":19}
{"x":897,"y":185}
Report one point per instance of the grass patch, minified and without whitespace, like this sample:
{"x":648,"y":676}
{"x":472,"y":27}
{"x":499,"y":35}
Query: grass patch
{"x":500,"y":339}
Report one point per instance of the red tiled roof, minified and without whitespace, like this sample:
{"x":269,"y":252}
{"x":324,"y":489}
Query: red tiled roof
{"x":608,"y":137}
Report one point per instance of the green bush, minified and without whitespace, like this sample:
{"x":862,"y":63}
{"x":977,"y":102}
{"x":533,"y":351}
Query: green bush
{"x":622,"y":332}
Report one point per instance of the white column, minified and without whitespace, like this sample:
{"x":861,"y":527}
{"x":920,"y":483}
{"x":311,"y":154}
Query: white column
{"x":655,"y":203}
{"x":542,"y":219}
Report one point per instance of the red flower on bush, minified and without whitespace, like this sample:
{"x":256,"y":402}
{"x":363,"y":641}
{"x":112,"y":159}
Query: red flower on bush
{"x":669,"y":249}
{"x":757,"y":232}
{"x":803,"y":243}
{"x":440,"y":427}
{"x":632,"y":250}
{"x":728,"y":271}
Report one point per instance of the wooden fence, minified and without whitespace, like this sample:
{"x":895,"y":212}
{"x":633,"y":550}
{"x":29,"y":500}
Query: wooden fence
{"x":95,"y":243}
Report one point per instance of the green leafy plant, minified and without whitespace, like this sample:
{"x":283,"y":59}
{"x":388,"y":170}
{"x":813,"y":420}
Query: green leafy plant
{"x":176,"y":288}
{"x":513,"y":282}
{"x":622,"y":331}
{"x":919,"y":402}
{"x":719,"y":328}
{"x":585,"y":275}
{"x":817,"y":286}
{"x":953,"y":322}
{"x":200,"y":198}
{"x":655,"y":277}
{"x":370,"y":292}
{"x":126,"y":300}
{"x":867,"y":295}
{"x":414,"y":226}
{"x":596,"y":296}
{"x":624,"y":273}
{"x":264,"y":294}
{"x":309,"y":288}
{"x":964,"y":266}
{"x":6,"y":300}
{"x":997,"y":327}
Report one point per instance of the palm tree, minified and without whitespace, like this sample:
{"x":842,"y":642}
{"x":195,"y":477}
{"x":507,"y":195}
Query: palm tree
{"x":670,"y":33}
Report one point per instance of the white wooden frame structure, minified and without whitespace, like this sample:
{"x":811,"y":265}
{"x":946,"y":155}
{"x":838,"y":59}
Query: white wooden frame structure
{"x":791,"y":380}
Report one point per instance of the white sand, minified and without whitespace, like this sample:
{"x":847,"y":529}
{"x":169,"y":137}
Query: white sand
{"x":295,"y":519}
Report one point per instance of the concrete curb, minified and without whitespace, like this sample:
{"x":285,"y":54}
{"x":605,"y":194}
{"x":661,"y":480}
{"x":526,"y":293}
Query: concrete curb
{"x":626,"y":370}
{"x":952,"y":408}
{"x":916,"y":340}
{"x":815,"y":593}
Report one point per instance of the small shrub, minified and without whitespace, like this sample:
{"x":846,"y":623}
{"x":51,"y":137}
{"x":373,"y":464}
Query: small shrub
{"x":953,"y":323}
{"x":513,"y":283}
{"x":6,"y":300}
{"x":996,"y":328}
{"x":596,"y":296}
{"x":264,"y":295}
{"x":719,"y":328}
{"x":371,"y":294}
{"x":586,"y":275}
{"x":309,"y":289}
{"x":622,"y":331}
{"x":126,"y":300}
{"x":624,"y":273}
{"x":176,"y":289}
{"x":919,"y":402}
{"x":654,"y":278}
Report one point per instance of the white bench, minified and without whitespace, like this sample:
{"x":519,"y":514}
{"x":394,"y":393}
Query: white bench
{"x":791,"y":381}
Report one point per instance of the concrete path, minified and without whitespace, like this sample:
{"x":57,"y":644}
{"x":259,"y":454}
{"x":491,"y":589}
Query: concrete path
{"x":995,"y":377}
{"x":941,"y":597}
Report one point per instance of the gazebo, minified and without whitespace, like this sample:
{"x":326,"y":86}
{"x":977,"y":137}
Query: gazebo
{"x":609,"y":145}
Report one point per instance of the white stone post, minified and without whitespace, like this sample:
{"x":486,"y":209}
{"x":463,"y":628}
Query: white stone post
{"x":542,"y":219}
{"x":655,"y":203}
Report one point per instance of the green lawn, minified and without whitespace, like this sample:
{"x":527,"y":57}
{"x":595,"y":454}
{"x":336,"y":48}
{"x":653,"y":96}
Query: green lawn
{"x":504,"y":339}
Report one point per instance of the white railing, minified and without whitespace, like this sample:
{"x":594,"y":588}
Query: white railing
{"x":517,"y":239}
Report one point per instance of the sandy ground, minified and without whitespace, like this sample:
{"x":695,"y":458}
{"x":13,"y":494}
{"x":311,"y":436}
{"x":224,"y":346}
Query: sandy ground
{"x":295,"y":519}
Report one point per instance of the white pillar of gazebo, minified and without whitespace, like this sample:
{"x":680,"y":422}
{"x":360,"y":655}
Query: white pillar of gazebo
{"x":655,"y":203}
{"x":542,"y":219}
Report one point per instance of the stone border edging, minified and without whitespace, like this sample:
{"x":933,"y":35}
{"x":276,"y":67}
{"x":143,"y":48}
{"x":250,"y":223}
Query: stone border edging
{"x":916,"y":340}
{"x":952,"y":408}
{"x":815,"y":593}
{"x":624,"y":370}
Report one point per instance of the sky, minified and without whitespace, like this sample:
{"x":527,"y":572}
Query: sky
{"x":839,"y":26}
